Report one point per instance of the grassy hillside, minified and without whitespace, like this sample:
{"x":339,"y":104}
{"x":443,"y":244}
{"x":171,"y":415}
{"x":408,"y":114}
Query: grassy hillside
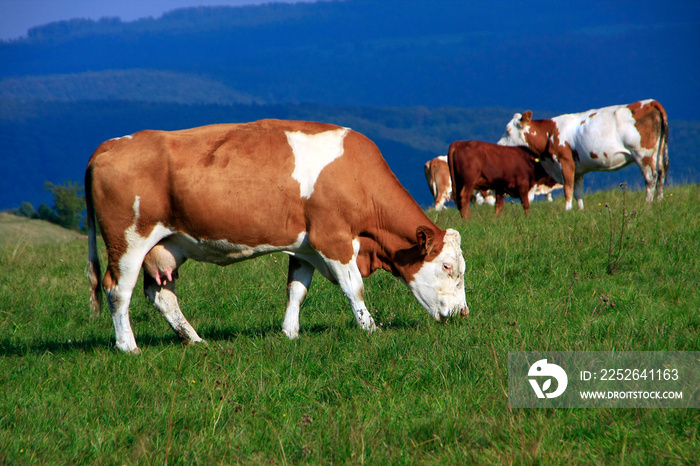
{"x":415,"y":392}
{"x":21,"y":232}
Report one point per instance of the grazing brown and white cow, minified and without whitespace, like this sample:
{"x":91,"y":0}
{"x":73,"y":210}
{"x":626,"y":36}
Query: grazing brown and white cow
{"x":597,"y":140}
{"x":483,"y":166}
{"x":226,"y":193}
{"x":437,"y":173}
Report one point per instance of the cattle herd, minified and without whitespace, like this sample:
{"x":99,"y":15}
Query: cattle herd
{"x":230,"y":192}
{"x":538,"y":156}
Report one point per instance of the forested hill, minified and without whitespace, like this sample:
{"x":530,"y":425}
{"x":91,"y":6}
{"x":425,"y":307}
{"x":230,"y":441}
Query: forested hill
{"x":413,"y":78}
{"x":371,"y":53}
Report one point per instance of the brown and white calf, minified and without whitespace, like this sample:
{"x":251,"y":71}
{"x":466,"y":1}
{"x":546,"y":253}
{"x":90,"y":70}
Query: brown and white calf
{"x":602,"y":139}
{"x":483,"y":166}
{"x":227,"y":193}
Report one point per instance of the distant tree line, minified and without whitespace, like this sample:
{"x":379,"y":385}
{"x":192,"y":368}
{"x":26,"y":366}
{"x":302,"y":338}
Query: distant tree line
{"x":67,"y":209}
{"x":53,"y":141}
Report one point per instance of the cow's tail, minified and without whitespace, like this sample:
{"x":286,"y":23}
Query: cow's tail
{"x":662,"y":156}
{"x":456,"y":197}
{"x":93,"y":267}
{"x":428,"y":168}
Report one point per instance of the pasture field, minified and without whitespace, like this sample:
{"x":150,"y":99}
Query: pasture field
{"x":416,"y":392}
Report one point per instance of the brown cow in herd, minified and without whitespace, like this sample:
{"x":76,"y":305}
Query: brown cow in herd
{"x":482,"y":166}
{"x":437,"y":173}
{"x":225,"y":193}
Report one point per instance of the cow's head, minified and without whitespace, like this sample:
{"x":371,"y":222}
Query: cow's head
{"x":439,"y":283}
{"x":516,"y":130}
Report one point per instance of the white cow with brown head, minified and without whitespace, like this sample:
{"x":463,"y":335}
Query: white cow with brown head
{"x":226,"y":193}
{"x":603,"y":139}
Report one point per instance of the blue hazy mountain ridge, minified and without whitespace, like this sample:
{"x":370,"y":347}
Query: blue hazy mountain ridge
{"x":397,"y":73}
{"x":440,"y":53}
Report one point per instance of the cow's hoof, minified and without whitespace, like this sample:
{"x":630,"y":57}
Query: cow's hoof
{"x":133,"y":352}
{"x":188,"y":342}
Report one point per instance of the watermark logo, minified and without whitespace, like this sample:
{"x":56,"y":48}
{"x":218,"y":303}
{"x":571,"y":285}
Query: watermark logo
{"x":543,"y":369}
{"x":604,"y":379}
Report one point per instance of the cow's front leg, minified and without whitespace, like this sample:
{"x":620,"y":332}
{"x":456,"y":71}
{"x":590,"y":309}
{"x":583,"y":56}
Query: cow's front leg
{"x":568,"y":170}
{"x":524,"y":192}
{"x":298,"y":283}
{"x":349,"y":278}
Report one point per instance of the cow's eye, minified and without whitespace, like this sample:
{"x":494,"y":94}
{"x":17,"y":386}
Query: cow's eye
{"x":447,"y":267}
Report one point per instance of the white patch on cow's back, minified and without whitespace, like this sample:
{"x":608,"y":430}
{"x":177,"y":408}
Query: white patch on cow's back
{"x":128,"y":136}
{"x":312,"y":152}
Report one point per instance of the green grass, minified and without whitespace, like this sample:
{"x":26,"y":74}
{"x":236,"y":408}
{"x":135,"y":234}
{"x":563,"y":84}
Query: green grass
{"x":414,"y":393}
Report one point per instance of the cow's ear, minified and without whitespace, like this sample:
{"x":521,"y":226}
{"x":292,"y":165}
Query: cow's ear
{"x":425,"y":237}
{"x":526,"y":118}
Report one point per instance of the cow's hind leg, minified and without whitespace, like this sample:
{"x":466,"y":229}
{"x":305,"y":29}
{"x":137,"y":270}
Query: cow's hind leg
{"x":578,"y":190}
{"x":118,"y":284}
{"x":164,"y":299}
{"x":465,"y":197}
{"x":298,"y":283}
{"x":118,"y":290}
{"x":647,"y":164}
{"x":160,"y":271}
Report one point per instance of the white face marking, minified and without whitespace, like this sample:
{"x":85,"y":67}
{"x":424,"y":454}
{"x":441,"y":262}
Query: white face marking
{"x":439,"y":284}
{"x":312,"y":152}
{"x":515,"y":133}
